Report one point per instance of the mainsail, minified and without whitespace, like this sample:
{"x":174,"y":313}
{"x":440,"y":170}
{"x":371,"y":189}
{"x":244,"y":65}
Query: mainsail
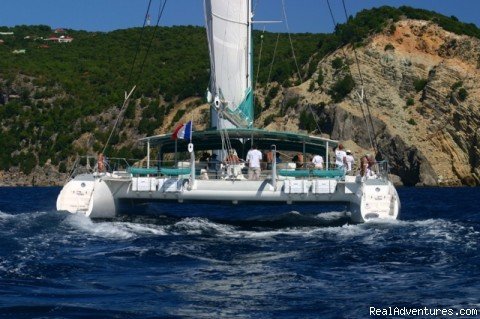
{"x":229,"y":37}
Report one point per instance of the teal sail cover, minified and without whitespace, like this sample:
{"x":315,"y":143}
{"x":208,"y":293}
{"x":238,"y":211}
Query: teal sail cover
{"x":244,"y":112}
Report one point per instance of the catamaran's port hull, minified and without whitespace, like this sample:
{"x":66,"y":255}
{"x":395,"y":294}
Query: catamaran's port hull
{"x":105,"y":196}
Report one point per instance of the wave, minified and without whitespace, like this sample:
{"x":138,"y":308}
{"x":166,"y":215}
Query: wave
{"x":332,"y":225}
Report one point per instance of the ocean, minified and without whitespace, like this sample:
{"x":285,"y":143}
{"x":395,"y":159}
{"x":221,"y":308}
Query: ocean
{"x":248,"y":261}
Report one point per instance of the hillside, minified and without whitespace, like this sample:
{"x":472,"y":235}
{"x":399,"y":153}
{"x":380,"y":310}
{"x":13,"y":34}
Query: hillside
{"x":422,"y":86}
{"x":419,"y":70}
{"x":60,"y":100}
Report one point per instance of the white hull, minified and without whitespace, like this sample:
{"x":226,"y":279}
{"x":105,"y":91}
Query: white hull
{"x":103,"y":196}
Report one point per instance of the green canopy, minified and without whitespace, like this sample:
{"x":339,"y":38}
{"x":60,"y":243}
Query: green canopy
{"x":241,"y":139}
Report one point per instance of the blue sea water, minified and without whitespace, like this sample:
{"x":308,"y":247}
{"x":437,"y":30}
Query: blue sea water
{"x":299,"y":264}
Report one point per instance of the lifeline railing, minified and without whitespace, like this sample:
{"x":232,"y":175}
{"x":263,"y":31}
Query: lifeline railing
{"x":217,"y":170}
{"x":88,"y":164}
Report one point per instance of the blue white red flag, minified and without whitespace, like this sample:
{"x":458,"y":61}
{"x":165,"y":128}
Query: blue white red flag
{"x":183,"y":131}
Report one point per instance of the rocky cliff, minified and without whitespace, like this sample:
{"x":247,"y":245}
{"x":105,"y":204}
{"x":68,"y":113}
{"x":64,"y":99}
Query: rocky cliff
{"x":421,"y":90}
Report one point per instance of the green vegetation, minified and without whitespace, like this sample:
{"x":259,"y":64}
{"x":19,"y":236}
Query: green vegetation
{"x":337,"y":63}
{"x":305,"y":45}
{"x":457,"y":85}
{"x":320,"y":77}
{"x":269,"y":119}
{"x":272,"y":93}
{"x":462,"y":94}
{"x":419,"y":84}
{"x":410,"y":101}
{"x":342,"y":88}
{"x":307,"y":121}
{"x":64,"y":87}
{"x":389,"y":47}
{"x":412,"y":122}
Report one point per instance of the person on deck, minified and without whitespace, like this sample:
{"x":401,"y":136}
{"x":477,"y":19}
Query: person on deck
{"x":232,"y":158}
{"x":254,"y":157}
{"x":317,"y":161}
{"x":278,"y":159}
{"x":367,"y":166}
{"x":214,"y":164}
{"x":101,"y":163}
{"x":372,"y":163}
{"x":269,"y":156}
{"x":203,"y":161}
{"x":232,"y":162}
{"x":340,"y":157}
{"x":350,"y":161}
{"x":298,"y":159}
{"x":364,"y":165}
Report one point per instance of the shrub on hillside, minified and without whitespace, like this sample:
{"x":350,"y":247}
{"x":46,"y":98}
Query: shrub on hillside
{"x":420,"y":84}
{"x":462,"y":94}
{"x":342,"y":88}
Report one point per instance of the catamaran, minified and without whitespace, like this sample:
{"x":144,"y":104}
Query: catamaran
{"x":176,"y":175}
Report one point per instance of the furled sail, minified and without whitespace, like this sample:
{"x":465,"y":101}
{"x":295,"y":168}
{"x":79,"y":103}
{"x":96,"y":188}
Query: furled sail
{"x":229,"y":37}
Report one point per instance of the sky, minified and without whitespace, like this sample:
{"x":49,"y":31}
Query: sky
{"x":302,"y":15}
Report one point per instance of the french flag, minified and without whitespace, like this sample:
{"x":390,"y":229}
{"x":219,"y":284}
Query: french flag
{"x":183,"y":131}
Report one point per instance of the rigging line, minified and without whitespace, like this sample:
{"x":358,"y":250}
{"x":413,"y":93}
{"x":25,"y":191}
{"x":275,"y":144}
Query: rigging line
{"x":335,"y":25}
{"x":374,"y":144}
{"x":259,"y":62}
{"x":255,"y":6}
{"x":127,"y":96}
{"x":290,"y":39}
{"x":315,"y":119}
{"x":367,"y":126}
{"x":125,"y":102}
{"x":273,"y":59}
{"x":331,"y":14}
{"x":160,"y":14}
{"x":259,"y":58}
{"x":139,"y":43}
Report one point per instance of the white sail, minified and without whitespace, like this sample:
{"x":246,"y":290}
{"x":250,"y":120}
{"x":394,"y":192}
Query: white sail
{"x":228,"y":30}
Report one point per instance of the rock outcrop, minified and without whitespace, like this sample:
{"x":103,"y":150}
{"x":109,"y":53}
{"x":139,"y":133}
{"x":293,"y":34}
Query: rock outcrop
{"x":420,"y":85}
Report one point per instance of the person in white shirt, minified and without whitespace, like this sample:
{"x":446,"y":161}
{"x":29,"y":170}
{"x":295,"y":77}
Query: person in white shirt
{"x":340,"y":157}
{"x":317,"y":162}
{"x":350,"y":161}
{"x":254,"y":157}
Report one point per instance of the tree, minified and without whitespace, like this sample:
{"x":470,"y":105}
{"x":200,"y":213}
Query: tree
{"x":342,"y":88}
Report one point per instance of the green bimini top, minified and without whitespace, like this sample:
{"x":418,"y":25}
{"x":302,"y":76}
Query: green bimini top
{"x":242,"y":138}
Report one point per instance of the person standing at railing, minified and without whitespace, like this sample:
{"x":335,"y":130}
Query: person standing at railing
{"x":101,"y":163}
{"x":269,"y":156}
{"x":363,"y":165}
{"x":350,"y":161}
{"x":340,"y":158}
{"x":367,"y":166}
{"x":232,"y":164}
{"x":254,"y":157}
{"x":372,"y":163}
{"x":317,"y":161}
